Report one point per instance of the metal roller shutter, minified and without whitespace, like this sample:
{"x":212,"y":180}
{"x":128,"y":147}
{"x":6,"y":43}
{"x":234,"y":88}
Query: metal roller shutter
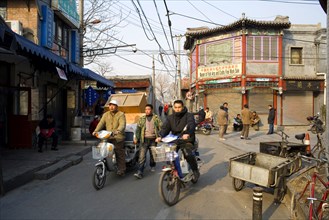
{"x":296,"y":107}
{"x":259,"y":99}
{"x":216,"y":98}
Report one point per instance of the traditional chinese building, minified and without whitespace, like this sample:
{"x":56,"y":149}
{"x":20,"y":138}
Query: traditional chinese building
{"x":259,"y":63}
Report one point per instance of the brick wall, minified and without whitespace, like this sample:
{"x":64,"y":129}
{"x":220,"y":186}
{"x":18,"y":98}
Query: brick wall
{"x":18,"y":10}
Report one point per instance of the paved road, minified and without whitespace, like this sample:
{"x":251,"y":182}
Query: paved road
{"x":70,"y":194}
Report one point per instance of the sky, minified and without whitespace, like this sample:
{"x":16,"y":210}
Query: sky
{"x":152,"y":41}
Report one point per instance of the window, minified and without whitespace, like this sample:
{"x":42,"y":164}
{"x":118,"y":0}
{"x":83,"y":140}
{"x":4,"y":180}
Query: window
{"x":202,"y":54}
{"x":296,"y":55}
{"x":262,"y":48}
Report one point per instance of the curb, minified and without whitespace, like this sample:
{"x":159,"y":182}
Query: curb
{"x":45,"y":171}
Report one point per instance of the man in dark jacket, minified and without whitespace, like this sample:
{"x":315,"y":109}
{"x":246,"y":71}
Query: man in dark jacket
{"x":270,"y":119}
{"x":202,"y":115}
{"x":182,"y":123}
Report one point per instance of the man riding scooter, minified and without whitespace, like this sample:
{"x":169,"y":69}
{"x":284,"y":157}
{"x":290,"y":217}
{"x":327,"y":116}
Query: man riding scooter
{"x":182,"y":123}
{"x":115,"y":121}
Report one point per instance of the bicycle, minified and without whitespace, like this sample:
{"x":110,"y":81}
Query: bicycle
{"x":288,"y":152}
{"x":317,"y":128}
{"x":315,"y":211}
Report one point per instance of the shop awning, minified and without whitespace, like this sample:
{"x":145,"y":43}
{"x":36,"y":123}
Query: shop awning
{"x":34,"y":49}
{"x":76,"y":69}
{"x":94,"y":76}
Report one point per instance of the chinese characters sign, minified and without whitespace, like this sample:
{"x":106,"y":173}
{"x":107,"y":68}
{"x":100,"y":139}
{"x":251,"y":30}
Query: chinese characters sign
{"x":219,"y":71}
{"x":47,"y":27}
{"x":68,"y":9}
{"x":297,"y":85}
{"x":91,"y":96}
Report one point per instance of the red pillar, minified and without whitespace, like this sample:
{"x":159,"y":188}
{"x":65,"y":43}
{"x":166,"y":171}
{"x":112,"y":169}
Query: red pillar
{"x":244,"y":70}
{"x":280,"y":84}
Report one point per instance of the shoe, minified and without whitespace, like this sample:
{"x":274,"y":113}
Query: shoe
{"x":196,"y":175}
{"x":152,"y":169}
{"x":222,"y":139}
{"x":241,"y":137}
{"x":40,"y":151}
{"x":120,"y":173}
{"x":54,"y":148}
{"x":138,"y":175}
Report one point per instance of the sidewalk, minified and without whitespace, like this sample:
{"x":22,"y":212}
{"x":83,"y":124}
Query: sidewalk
{"x":20,"y":166}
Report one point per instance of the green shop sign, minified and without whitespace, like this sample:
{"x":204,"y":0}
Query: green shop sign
{"x":68,"y":8}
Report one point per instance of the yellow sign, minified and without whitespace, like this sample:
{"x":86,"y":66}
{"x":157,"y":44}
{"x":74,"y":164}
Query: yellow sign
{"x":219,"y":71}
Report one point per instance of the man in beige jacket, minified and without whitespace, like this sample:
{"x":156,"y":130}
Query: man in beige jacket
{"x":246,"y":120}
{"x":115,"y":121}
{"x":222,"y":122}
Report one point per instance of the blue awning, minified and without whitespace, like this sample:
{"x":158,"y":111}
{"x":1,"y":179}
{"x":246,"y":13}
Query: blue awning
{"x":32,"y":48}
{"x":94,"y":76}
{"x":76,"y":69}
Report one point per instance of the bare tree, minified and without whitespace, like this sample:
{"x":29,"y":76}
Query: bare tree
{"x":164,"y":87}
{"x":100,"y":21}
{"x":103,"y":68}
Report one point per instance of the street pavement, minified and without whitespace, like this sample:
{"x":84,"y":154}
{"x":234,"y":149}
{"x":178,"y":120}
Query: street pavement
{"x":22,"y":166}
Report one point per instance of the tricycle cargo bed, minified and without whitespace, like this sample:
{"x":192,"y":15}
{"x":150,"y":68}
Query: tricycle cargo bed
{"x":258,"y":168}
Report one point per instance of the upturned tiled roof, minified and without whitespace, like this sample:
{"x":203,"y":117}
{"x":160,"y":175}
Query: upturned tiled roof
{"x":280,"y":22}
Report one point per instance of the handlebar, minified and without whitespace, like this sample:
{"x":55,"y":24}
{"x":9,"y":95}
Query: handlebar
{"x":318,"y":160}
{"x":283,"y":135}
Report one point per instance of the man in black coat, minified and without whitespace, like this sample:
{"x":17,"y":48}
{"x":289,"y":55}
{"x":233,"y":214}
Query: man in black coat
{"x":202,"y":115}
{"x":182,"y":123}
{"x":270,"y":119}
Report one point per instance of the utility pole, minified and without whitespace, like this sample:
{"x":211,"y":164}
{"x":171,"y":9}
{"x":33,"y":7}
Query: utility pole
{"x":179,"y":77}
{"x":81,"y":30}
{"x":327,"y":90}
{"x":153,"y":83}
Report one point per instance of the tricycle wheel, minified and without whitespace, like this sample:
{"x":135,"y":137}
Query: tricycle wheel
{"x":280,"y":190}
{"x":237,"y":184}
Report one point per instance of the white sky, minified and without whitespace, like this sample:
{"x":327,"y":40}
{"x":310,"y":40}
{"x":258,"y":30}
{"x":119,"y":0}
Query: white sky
{"x":217,"y":11}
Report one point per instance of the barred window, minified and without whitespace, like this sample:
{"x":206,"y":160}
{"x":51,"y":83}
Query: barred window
{"x":262,"y":48}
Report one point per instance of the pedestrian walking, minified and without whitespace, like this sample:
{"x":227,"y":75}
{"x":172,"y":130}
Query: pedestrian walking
{"x":165,"y":109}
{"x":160,"y":110}
{"x":188,"y":99}
{"x":147,"y":131}
{"x":270,"y":119}
{"x":246,"y":120}
{"x":201,"y":115}
{"x":222,"y":122}
{"x":225,"y":105}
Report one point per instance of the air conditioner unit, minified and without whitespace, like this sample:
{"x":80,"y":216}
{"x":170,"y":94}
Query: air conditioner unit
{"x":16,"y":26}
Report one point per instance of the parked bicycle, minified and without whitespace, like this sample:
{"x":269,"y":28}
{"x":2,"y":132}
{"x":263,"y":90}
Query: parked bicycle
{"x":318,"y":187}
{"x":316,"y":127}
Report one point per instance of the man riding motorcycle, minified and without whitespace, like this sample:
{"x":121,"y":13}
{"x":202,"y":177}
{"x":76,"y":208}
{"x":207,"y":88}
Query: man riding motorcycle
{"x":182,"y":123}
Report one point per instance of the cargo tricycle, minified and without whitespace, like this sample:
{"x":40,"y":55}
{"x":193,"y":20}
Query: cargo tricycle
{"x":261,"y":169}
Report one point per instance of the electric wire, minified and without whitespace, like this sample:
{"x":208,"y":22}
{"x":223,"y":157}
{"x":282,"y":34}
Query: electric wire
{"x":199,"y":10}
